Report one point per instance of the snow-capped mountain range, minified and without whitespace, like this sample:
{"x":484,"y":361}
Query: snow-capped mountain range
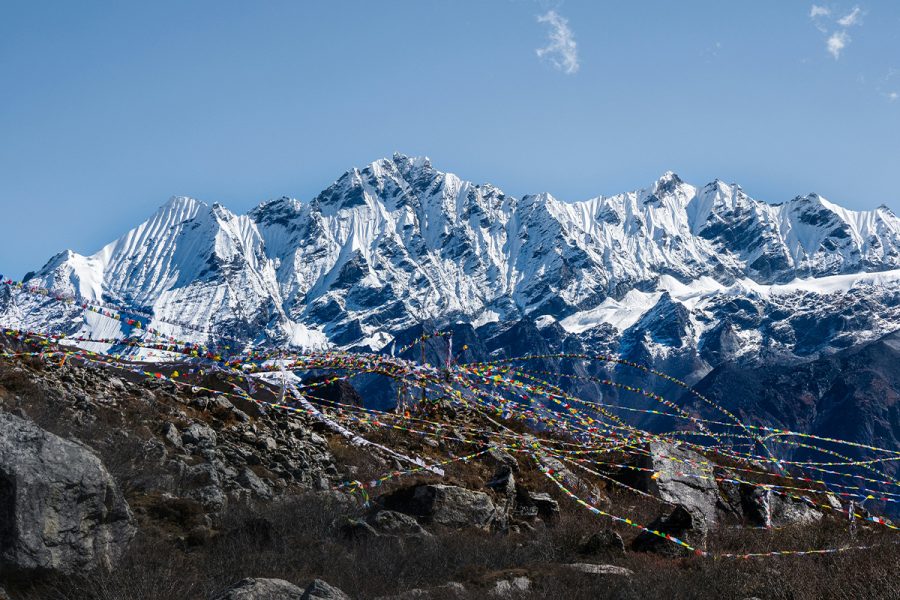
{"x":672,"y":268}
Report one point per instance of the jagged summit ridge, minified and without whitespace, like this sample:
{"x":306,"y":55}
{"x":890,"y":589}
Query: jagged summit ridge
{"x":398,"y":242}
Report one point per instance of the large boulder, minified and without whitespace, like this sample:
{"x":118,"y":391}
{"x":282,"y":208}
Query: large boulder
{"x":389,"y":522}
{"x":261,"y":589}
{"x":60,"y":510}
{"x":580,"y":486}
{"x":447,"y":505}
{"x":200,"y":435}
{"x":254,"y":588}
{"x":384,"y":523}
{"x":788,"y":510}
{"x":679,"y":476}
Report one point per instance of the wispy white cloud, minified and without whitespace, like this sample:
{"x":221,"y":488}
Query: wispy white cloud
{"x":892,"y":96}
{"x":837,"y":42}
{"x":852,"y":18}
{"x":834,"y":27}
{"x":561,"y":50}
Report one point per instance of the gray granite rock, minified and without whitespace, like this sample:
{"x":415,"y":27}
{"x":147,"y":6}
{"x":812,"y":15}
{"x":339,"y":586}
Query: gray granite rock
{"x":60,"y":509}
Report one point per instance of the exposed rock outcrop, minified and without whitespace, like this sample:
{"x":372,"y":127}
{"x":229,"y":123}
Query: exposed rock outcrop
{"x":446,"y":505}
{"x":385,"y":523}
{"x":580,"y":485}
{"x":262,"y":589}
{"x":389,"y":522}
{"x":679,"y":476}
{"x":449,"y":590}
{"x":60,"y":510}
{"x":509,"y":588}
{"x":766,"y":508}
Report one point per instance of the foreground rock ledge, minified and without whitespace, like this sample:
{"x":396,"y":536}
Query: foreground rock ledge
{"x":60,"y":509}
{"x":254,"y":588}
{"x":260,"y":588}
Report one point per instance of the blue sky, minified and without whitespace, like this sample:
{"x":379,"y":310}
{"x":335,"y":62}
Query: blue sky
{"x":109,"y":108}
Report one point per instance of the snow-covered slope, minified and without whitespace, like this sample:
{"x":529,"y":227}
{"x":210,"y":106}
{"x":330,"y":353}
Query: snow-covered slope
{"x":399,"y":242}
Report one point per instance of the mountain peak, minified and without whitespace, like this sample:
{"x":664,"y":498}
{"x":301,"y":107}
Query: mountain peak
{"x":722,"y":184}
{"x":181,"y":204}
{"x":667,"y":185}
{"x":277,"y":204}
{"x":669,"y":176}
{"x":411,"y":162}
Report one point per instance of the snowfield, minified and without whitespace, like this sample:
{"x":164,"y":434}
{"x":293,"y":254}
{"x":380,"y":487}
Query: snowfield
{"x":398,"y":243}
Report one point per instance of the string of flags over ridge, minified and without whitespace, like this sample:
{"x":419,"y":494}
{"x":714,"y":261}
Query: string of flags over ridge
{"x":591,"y":435}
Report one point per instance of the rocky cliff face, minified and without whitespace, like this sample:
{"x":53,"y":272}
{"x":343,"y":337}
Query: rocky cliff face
{"x":851,"y":395}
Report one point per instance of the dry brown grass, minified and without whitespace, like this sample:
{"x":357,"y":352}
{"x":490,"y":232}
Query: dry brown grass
{"x":297,"y":539}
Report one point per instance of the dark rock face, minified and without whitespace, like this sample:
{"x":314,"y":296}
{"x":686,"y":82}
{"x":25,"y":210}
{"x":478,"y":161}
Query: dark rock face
{"x":358,"y":529}
{"x":503,"y":482}
{"x":446,"y":505}
{"x":666,"y":323}
{"x":501,"y":458}
{"x":60,"y":509}
{"x":334,"y":392}
{"x":262,"y":589}
{"x":851,"y":395}
{"x":680,"y":523}
{"x":504,"y":485}
{"x":755,"y":505}
{"x":201,"y":435}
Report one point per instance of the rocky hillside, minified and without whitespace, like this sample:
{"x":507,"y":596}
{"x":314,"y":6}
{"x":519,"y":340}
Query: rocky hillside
{"x":851,"y":395}
{"x":116,"y":484}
